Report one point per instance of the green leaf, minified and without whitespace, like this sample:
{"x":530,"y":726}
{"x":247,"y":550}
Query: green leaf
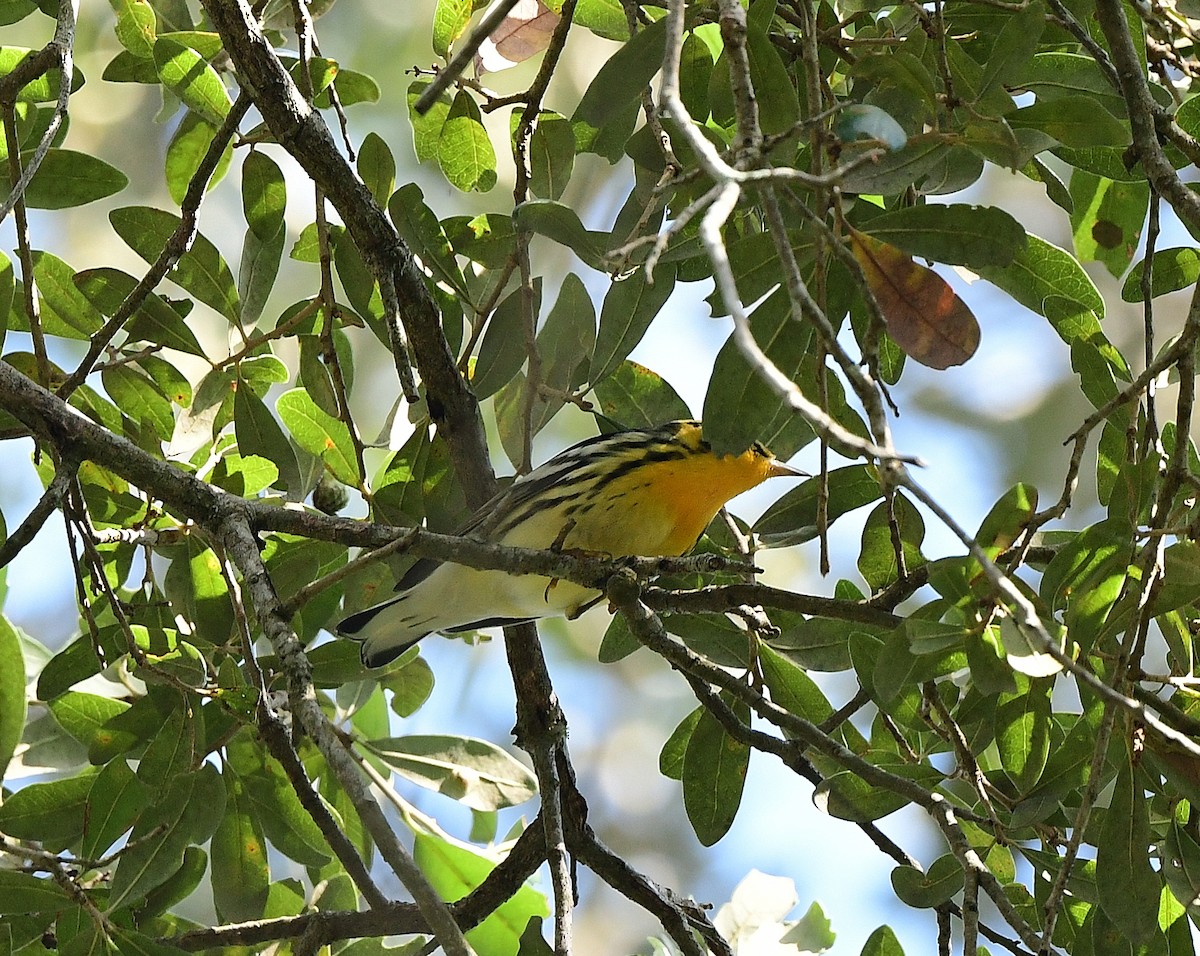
{"x":551,"y":155}
{"x":8,"y":286}
{"x":464,"y":150}
{"x":455,"y":869}
{"x":257,"y":272}
{"x":411,"y":686}
{"x":45,"y":88}
{"x":26,"y":893}
{"x":86,"y":718}
{"x":66,"y":179}
{"x":877,"y":559}
{"x":320,"y":434}
{"x":377,"y":167}
{"x":272,"y":802}
{"x":791,"y":688}
{"x":155,"y":321}
{"x":171,"y":752}
{"x":136,"y":27}
{"x":1181,"y":574}
{"x":1024,"y":652}
{"x":1014,"y":48}
{"x":846,"y":796}
{"x":127,"y":68}
{"x":258,"y":433}
{"x":562,"y":224}
{"x":695,"y":74}
{"x":139,"y":399}
{"x":357,"y":279}
{"x":917,"y":652}
{"x":14,"y":11}
{"x":740,"y":406}
{"x":793,"y":518}
{"x":240,"y":875}
{"x":1181,"y":865}
{"x":12,"y":693}
{"x":564,"y":345}
{"x":923,"y":890}
{"x":450,"y":18}
{"x":188,"y":813}
{"x":957,"y":234}
{"x":899,"y":169}
{"x":620,"y":81}
{"x":200,"y":270}
{"x":714,"y":775}
{"x":1055,"y":75}
{"x":1041,"y":271}
{"x":869,"y":122}
{"x":264,"y":195}
{"x":774,"y":87}
{"x":420,"y":229}
{"x":51,"y":813}
{"x":187,"y":149}
{"x":1171,"y":270}
{"x":635,"y":397}
{"x":1088,"y":556}
{"x":618,"y":642}
{"x":1127,"y":886}
{"x":1078,"y":122}
{"x":1097,"y":361}
{"x":64,"y":310}
{"x":427,"y":129}
{"x":670,"y":759}
{"x":630,"y":305}
{"x":1023,"y":732}
{"x":1108,"y":218}
{"x":502,"y":351}
{"x":882,"y":942}
{"x":186,"y":74}
{"x":474,"y":772}
{"x":113,"y":803}
{"x":819,"y":644}
{"x":604,"y":18}
{"x":244,"y":475}
{"x":352,"y":87}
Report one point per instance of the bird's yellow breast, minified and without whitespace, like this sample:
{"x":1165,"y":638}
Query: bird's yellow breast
{"x":662,"y":507}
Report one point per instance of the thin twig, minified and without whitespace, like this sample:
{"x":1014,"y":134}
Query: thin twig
{"x":465,"y":53}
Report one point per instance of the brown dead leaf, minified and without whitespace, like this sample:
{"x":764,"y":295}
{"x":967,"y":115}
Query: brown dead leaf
{"x":924,"y":316}
{"x":525,"y":31}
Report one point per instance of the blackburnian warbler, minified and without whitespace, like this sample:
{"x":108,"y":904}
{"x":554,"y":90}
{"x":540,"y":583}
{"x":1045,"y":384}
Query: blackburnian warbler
{"x":646,"y":491}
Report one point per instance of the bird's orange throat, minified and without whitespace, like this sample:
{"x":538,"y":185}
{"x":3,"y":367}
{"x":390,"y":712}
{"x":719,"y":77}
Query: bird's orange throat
{"x":692,"y":490}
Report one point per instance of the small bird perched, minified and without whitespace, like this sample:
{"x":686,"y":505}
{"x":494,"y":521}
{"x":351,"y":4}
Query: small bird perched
{"x":645,"y":491}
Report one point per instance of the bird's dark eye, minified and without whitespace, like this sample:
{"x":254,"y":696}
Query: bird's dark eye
{"x":761,"y":449}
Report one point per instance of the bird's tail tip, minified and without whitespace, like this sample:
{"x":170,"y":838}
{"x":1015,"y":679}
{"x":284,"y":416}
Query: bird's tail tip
{"x":376,"y":652}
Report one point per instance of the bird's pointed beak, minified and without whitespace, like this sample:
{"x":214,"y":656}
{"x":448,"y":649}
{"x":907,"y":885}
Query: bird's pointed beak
{"x":779,"y":469}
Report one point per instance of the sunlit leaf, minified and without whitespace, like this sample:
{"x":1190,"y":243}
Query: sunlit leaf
{"x":474,"y":772}
{"x":12,"y":693}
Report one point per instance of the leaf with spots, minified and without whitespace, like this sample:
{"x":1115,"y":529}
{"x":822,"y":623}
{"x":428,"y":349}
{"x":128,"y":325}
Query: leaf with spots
{"x":1107,"y":220}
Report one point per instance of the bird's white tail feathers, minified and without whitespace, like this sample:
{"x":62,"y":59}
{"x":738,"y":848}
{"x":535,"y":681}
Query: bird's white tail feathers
{"x":387,"y":630}
{"x":454,"y":598}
